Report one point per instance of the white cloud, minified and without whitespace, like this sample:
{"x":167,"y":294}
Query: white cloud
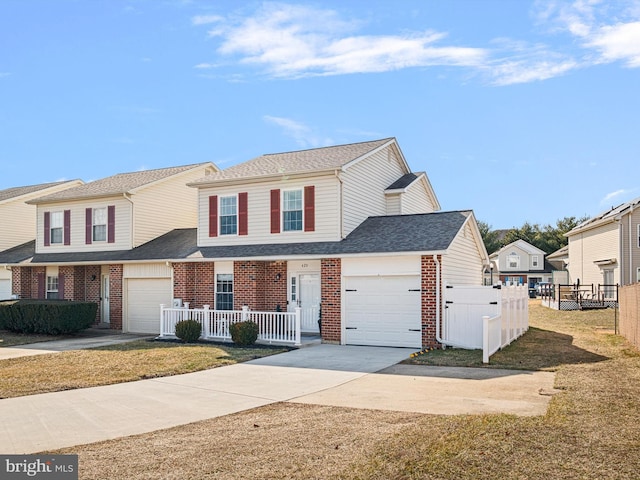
{"x":291,"y":41}
{"x":4,"y":74}
{"x":610,"y":196}
{"x":618,"y":42}
{"x":301,"y":133}
{"x":206,"y":19}
{"x":610,"y":29}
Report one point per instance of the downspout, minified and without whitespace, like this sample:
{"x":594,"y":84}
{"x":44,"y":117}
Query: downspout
{"x":341,"y":220}
{"x":127,"y":197}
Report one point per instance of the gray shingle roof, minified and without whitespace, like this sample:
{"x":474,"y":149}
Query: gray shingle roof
{"x":404,"y":181}
{"x":429,"y":232}
{"x":15,"y":192}
{"x":607,"y":216}
{"x":19,"y":253}
{"x":316,"y":159}
{"x":115,"y":185}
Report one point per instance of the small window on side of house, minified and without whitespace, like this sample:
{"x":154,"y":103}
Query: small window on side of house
{"x":513,"y":260}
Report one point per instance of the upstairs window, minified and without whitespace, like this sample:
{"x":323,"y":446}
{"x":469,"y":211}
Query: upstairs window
{"x":513,"y":260}
{"x":57,"y":227}
{"x":99,"y":227}
{"x":292,"y":210}
{"x":534,"y":261}
{"x":639,"y":235}
{"x":228,"y":216}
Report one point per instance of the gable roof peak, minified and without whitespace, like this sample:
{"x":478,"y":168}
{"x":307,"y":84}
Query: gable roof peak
{"x":297,"y":162}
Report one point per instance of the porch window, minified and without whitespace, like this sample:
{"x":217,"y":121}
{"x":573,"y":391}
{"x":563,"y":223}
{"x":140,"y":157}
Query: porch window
{"x":52,"y":288}
{"x":57,"y":227}
{"x":99,"y":226}
{"x":224,"y":291}
{"x":514,"y":260}
{"x":292,"y":210}
{"x":228,"y":216}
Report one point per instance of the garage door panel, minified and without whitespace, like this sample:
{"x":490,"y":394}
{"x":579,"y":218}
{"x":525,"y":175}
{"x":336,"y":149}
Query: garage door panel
{"x":144,"y":297}
{"x":5,"y":289}
{"x":383,"y":310}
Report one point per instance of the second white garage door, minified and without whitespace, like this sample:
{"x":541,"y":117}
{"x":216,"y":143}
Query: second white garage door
{"x":383,"y":310}
{"x":144,"y":296}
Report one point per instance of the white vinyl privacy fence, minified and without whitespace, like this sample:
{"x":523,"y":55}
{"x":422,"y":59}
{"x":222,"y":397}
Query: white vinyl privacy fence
{"x":487,"y":318}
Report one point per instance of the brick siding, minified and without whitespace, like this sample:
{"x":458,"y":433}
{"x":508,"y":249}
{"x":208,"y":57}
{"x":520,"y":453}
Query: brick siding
{"x":428,"y":285}
{"x":115,"y":296}
{"x":330,"y":293}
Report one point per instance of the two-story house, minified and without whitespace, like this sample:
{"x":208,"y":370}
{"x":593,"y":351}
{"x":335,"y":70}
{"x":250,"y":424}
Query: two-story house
{"x":18,"y":220}
{"x":520,"y":263}
{"x":83,"y":233}
{"x":348,"y":233}
{"x":605,"y":249}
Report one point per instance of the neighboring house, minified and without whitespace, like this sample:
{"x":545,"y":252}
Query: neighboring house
{"x":348,"y":233}
{"x":19,"y":220}
{"x":82,"y":230}
{"x":605,"y":249}
{"x":520,"y":263}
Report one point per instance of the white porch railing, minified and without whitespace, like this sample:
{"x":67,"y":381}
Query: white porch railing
{"x":511,"y":323}
{"x":273,"y":327}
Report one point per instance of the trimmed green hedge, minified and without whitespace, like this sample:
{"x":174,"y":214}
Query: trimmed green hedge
{"x":188,"y":330}
{"x":244,"y":333}
{"x":52,"y":317}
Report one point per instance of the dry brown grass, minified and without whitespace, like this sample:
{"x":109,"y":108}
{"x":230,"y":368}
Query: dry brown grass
{"x":115,"y":364}
{"x":590,"y":431}
{"x":10,"y":339}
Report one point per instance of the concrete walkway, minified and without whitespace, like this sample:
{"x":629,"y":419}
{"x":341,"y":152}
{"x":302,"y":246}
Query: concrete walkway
{"x":90,"y":339}
{"x":322,"y":374}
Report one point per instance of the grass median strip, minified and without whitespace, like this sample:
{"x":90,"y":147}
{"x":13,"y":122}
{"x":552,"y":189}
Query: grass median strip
{"x":116,"y":364}
{"x":10,"y":339}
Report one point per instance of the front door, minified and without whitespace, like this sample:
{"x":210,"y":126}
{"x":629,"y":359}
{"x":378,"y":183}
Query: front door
{"x":104,"y":299}
{"x":309,"y":301}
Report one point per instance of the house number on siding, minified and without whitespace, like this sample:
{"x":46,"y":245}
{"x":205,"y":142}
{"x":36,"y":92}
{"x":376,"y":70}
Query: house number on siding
{"x":305,"y":265}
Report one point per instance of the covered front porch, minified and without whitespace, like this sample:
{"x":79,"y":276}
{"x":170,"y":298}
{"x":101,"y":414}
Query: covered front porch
{"x":274,"y":328}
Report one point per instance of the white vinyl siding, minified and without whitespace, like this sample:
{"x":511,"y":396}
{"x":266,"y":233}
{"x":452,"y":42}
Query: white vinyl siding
{"x":592,"y":245}
{"x":13,"y":209}
{"x":511,"y":255}
{"x":364,"y":185}
{"x":394,"y":204}
{"x":630,"y":235}
{"x":78,"y":226}
{"x":327,"y":206}
{"x":463,"y":262}
{"x":165,"y":206}
{"x":416,"y":200}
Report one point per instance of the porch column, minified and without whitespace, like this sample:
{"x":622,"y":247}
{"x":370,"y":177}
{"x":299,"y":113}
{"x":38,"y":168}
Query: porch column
{"x":429,"y":297}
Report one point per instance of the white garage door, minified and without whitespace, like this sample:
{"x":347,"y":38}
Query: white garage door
{"x":383,"y":311}
{"x":5,"y":289}
{"x":144,"y":296}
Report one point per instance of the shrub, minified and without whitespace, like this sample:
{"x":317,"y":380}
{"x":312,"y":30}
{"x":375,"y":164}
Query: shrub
{"x":244,"y":333}
{"x":50,"y":317}
{"x":188,"y":330}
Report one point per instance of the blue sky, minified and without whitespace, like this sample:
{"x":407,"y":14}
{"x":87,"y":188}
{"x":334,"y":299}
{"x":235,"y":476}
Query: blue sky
{"x":519,"y":110}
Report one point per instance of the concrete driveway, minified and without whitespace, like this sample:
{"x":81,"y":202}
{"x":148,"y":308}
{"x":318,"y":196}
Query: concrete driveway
{"x":322,"y":374}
